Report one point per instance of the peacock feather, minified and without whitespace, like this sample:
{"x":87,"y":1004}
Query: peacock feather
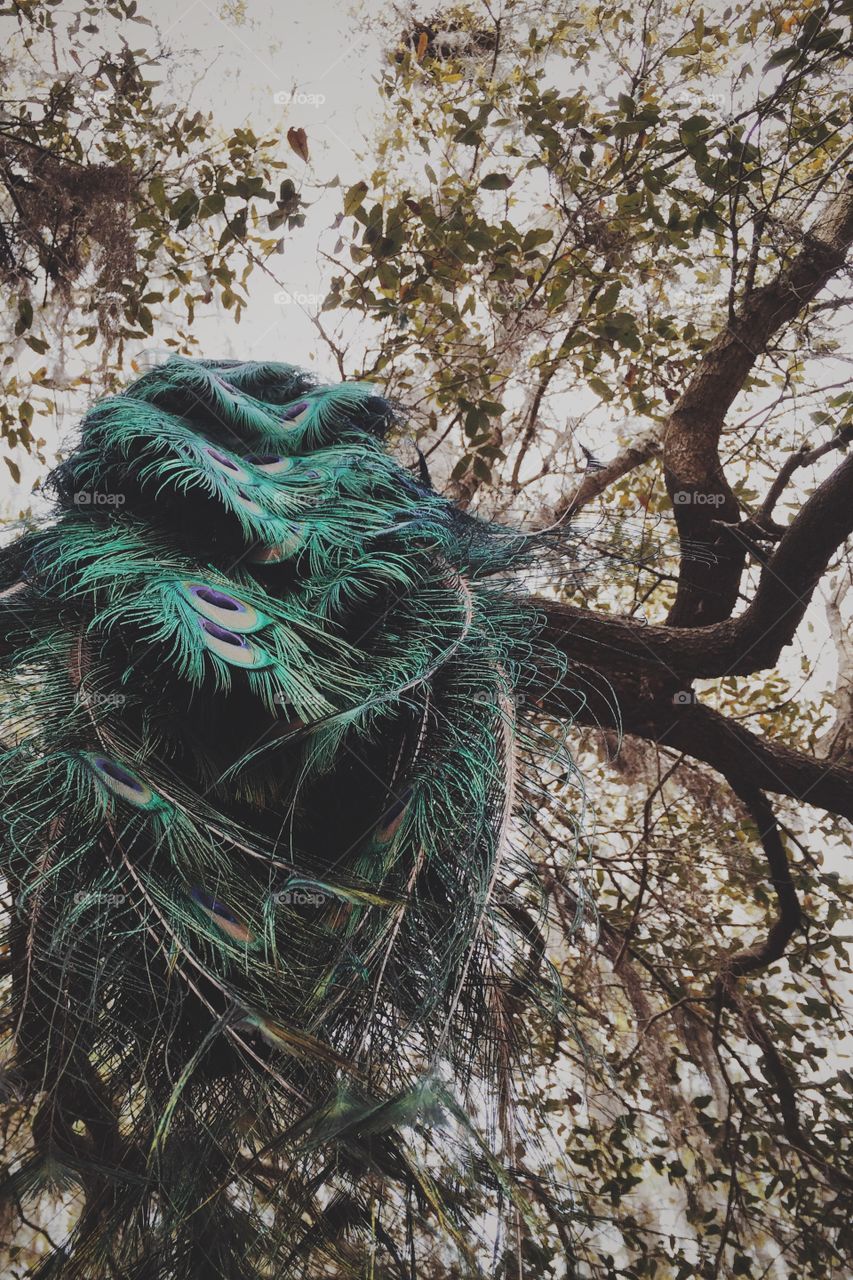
{"x":268,"y":720}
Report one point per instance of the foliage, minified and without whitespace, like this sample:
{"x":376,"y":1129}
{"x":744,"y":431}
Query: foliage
{"x":560,"y":221}
{"x":581,"y":207}
{"x":120,"y":211}
{"x":567,"y":213}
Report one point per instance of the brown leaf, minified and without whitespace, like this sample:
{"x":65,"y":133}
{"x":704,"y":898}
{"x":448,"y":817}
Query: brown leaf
{"x":298,"y":140}
{"x":423,"y":43}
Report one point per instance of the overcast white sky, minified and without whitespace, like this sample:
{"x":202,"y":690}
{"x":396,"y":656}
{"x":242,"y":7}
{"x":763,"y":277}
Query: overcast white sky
{"x":324,"y":54}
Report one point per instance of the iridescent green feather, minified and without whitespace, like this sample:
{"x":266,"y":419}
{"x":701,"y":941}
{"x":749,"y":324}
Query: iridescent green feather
{"x":268,"y":708}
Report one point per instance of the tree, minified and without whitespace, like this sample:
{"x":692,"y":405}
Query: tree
{"x":637,"y":222}
{"x":120,"y":211}
{"x":622,"y":235}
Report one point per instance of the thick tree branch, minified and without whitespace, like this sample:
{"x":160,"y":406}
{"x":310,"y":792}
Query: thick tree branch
{"x":789,"y":918}
{"x":837,"y":742}
{"x":694,"y":477}
{"x":701,"y":733}
{"x":750,"y":642}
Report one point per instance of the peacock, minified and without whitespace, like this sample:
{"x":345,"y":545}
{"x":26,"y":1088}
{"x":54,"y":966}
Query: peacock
{"x":271,"y":732}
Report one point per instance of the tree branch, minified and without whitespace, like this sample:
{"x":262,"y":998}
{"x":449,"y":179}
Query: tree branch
{"x":701,"y":733}
{"x":646,"y":445}
{"x":750,"y":642}
{"x":694,"y":476}
{"x":789,"y":918}
{"x":803,"y":457}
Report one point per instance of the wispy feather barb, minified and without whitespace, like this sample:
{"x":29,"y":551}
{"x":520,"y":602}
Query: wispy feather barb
{"x":262,"y":725}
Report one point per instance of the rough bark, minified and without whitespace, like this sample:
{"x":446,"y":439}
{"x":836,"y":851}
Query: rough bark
{"x":753,"y":640}
{"x":694,"y":476}
{"x":700,"y":732}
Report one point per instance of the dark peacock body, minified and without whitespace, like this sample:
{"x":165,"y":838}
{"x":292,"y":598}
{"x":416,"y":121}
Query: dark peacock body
{"x":264,"y":699}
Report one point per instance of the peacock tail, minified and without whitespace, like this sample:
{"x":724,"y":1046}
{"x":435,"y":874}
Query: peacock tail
{"x":269,"y":734}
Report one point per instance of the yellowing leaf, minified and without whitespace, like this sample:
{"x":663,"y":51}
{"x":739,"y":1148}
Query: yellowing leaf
{"x":354,"y":198}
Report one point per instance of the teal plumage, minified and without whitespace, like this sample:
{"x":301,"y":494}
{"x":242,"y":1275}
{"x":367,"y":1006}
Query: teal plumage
{"x":266,"y":703}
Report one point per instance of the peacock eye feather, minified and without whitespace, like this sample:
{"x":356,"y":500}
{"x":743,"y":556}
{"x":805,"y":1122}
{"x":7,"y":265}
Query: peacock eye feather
{"x":393,"y":817}
{"x":231,"y":646}
{"x":247,"y":504}
{"x":222,"y":916}
{"x":219,"y":606}
{"x":228,"y":466}
{"x":296,"y":413}
{"x":123,"y":782}
{"x":271,"y":464}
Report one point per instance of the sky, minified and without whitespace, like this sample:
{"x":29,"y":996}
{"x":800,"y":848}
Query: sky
{"x":310,"y":66}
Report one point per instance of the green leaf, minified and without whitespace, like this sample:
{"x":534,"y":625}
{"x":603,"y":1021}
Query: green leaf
{"x":600,"y":388}
{"x":25,"y":316}
{"x":157,"y":192}
{"x":354,"y":198}
{"x":496,"y":182}
{"x":469,"y":137}
{"x":606,"y":301}
{"x":211,"y":204}
{"x":535,"y":237}
{"x":184,"y":209}
{"x":234,"y":229}
{"x":782,"y":56}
